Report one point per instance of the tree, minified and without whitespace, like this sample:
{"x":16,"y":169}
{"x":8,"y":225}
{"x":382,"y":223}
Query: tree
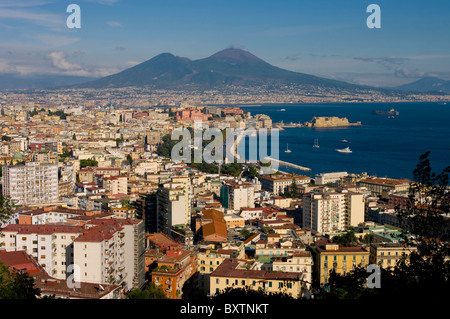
{"x":130,"y":159}
{"x":424,"y":273}
{"x":247,"y":293}
{"x":88,"y":162}
{"x":346,"y":240}
{"x":16,"y":284}
{"x":151,"y":291}
{"x":6,"y":210}
{"x":423,"y":220}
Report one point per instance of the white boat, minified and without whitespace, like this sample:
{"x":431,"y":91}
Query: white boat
{"x":344,"y":141}
{"x":282,"y":110}
{"x":316,"y":143}
{"x":344,"y":150}
{"x":287,"y":149}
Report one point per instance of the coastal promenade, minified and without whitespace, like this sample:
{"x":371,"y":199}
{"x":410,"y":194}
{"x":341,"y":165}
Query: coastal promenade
{"x":283,"y":163}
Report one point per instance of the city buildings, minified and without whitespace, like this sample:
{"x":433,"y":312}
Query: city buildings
{"x":237,"y":195}
{"x":32,"y":183}
{"x":278,"y":184}
{"x":330,"y":256}
{"x":238,"y":273}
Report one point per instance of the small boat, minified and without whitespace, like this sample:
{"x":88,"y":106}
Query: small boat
{"x":282,"y":110}
{"x":344,"y":141}
{"x":344,"y":150}
{"x":287,"y":149}
{"x":316,"y":143}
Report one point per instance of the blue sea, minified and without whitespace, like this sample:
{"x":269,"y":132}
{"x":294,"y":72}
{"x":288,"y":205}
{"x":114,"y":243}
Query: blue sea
{"x":382,"y":146}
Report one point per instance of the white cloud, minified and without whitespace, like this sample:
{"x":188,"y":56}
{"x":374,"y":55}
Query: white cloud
{"x":39,"y":18}
{"x":114,"y":24}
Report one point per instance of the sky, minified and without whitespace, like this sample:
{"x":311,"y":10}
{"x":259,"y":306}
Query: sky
{"x":327,"y":38}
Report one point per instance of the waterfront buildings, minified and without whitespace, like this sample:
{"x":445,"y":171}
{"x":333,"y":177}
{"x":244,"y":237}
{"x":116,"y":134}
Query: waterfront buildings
{"x":282,"y":183}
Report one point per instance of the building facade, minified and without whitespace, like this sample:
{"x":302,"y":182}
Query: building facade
{"x":32,"y":183}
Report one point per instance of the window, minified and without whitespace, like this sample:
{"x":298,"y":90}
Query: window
{"x":280,"y":285}
{"x":243,"y":282}
{"x":227,"y":281}
{"x":270,"y":284}
{"x":217,"y":280}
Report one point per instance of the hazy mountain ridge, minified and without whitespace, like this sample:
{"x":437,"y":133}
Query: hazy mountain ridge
{"x":227,"y":67}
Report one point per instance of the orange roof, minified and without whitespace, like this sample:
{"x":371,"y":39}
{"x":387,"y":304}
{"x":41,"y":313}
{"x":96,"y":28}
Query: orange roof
{"x":215,"y":228}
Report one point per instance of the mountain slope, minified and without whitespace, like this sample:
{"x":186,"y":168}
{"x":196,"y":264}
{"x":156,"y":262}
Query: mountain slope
{"x":18,"y":82}
{"x":427,"y":84}
{"x":227,"y":67}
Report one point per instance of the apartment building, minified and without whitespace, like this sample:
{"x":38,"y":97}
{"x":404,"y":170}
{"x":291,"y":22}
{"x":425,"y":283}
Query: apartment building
{"x":207,"y":261}
{"x":173,"y":206}
{"x":278,"y":184}
{"x":327,"y":178}
{"x":386,"y":255}
{"x":50,"y":245}
{"x":32,"y":183}
{"x":327,"y":211}
{"x":324,"y":212}
{"x":112,"y":252}
{"x":300,"y":261}
{"x":378,"y":186}
{"x":238,"y":273}
{"x":330,"y":256}
{"x":237,"y":195}
{"x":49,"y":215}
{"x":173,"y":270}
{"x":114,"y":185}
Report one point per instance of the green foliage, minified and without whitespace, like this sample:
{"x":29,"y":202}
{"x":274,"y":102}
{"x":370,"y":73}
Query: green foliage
{"x":61,"y":114}
{"x":130,"y":159}
{"x":251,"y":172}
{"x":88,"y":162}
{"x":247,"y":293}
{"x":6,"y":209}
{"x":6,"y":138}
{"x":16,"y":285}
{"x":246,"y":233}
{"x":346,"y":240}
{"x":425,"y":273}
{"x":151,"y":291}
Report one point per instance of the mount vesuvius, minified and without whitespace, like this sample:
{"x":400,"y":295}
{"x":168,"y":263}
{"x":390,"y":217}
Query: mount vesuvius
{"x":229,"y":67}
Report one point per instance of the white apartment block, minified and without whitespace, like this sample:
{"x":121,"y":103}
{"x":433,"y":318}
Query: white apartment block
{"x":173,"y":206}
{"x":324,"y":212}
{"x":112,"y":252}
{"x":50,"y":245}
{"x":326,"y":178}
{"x":32,"y":183}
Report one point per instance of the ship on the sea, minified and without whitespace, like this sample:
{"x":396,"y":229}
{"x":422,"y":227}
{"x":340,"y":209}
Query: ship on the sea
{"x":344,"y":150}
{"x":384,"y":112}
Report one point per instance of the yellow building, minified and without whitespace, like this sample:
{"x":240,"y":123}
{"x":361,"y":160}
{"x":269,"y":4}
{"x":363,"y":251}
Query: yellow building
{"x":342,"y":259}
{"x":239,"y":273}
{"x":387,"y":255}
